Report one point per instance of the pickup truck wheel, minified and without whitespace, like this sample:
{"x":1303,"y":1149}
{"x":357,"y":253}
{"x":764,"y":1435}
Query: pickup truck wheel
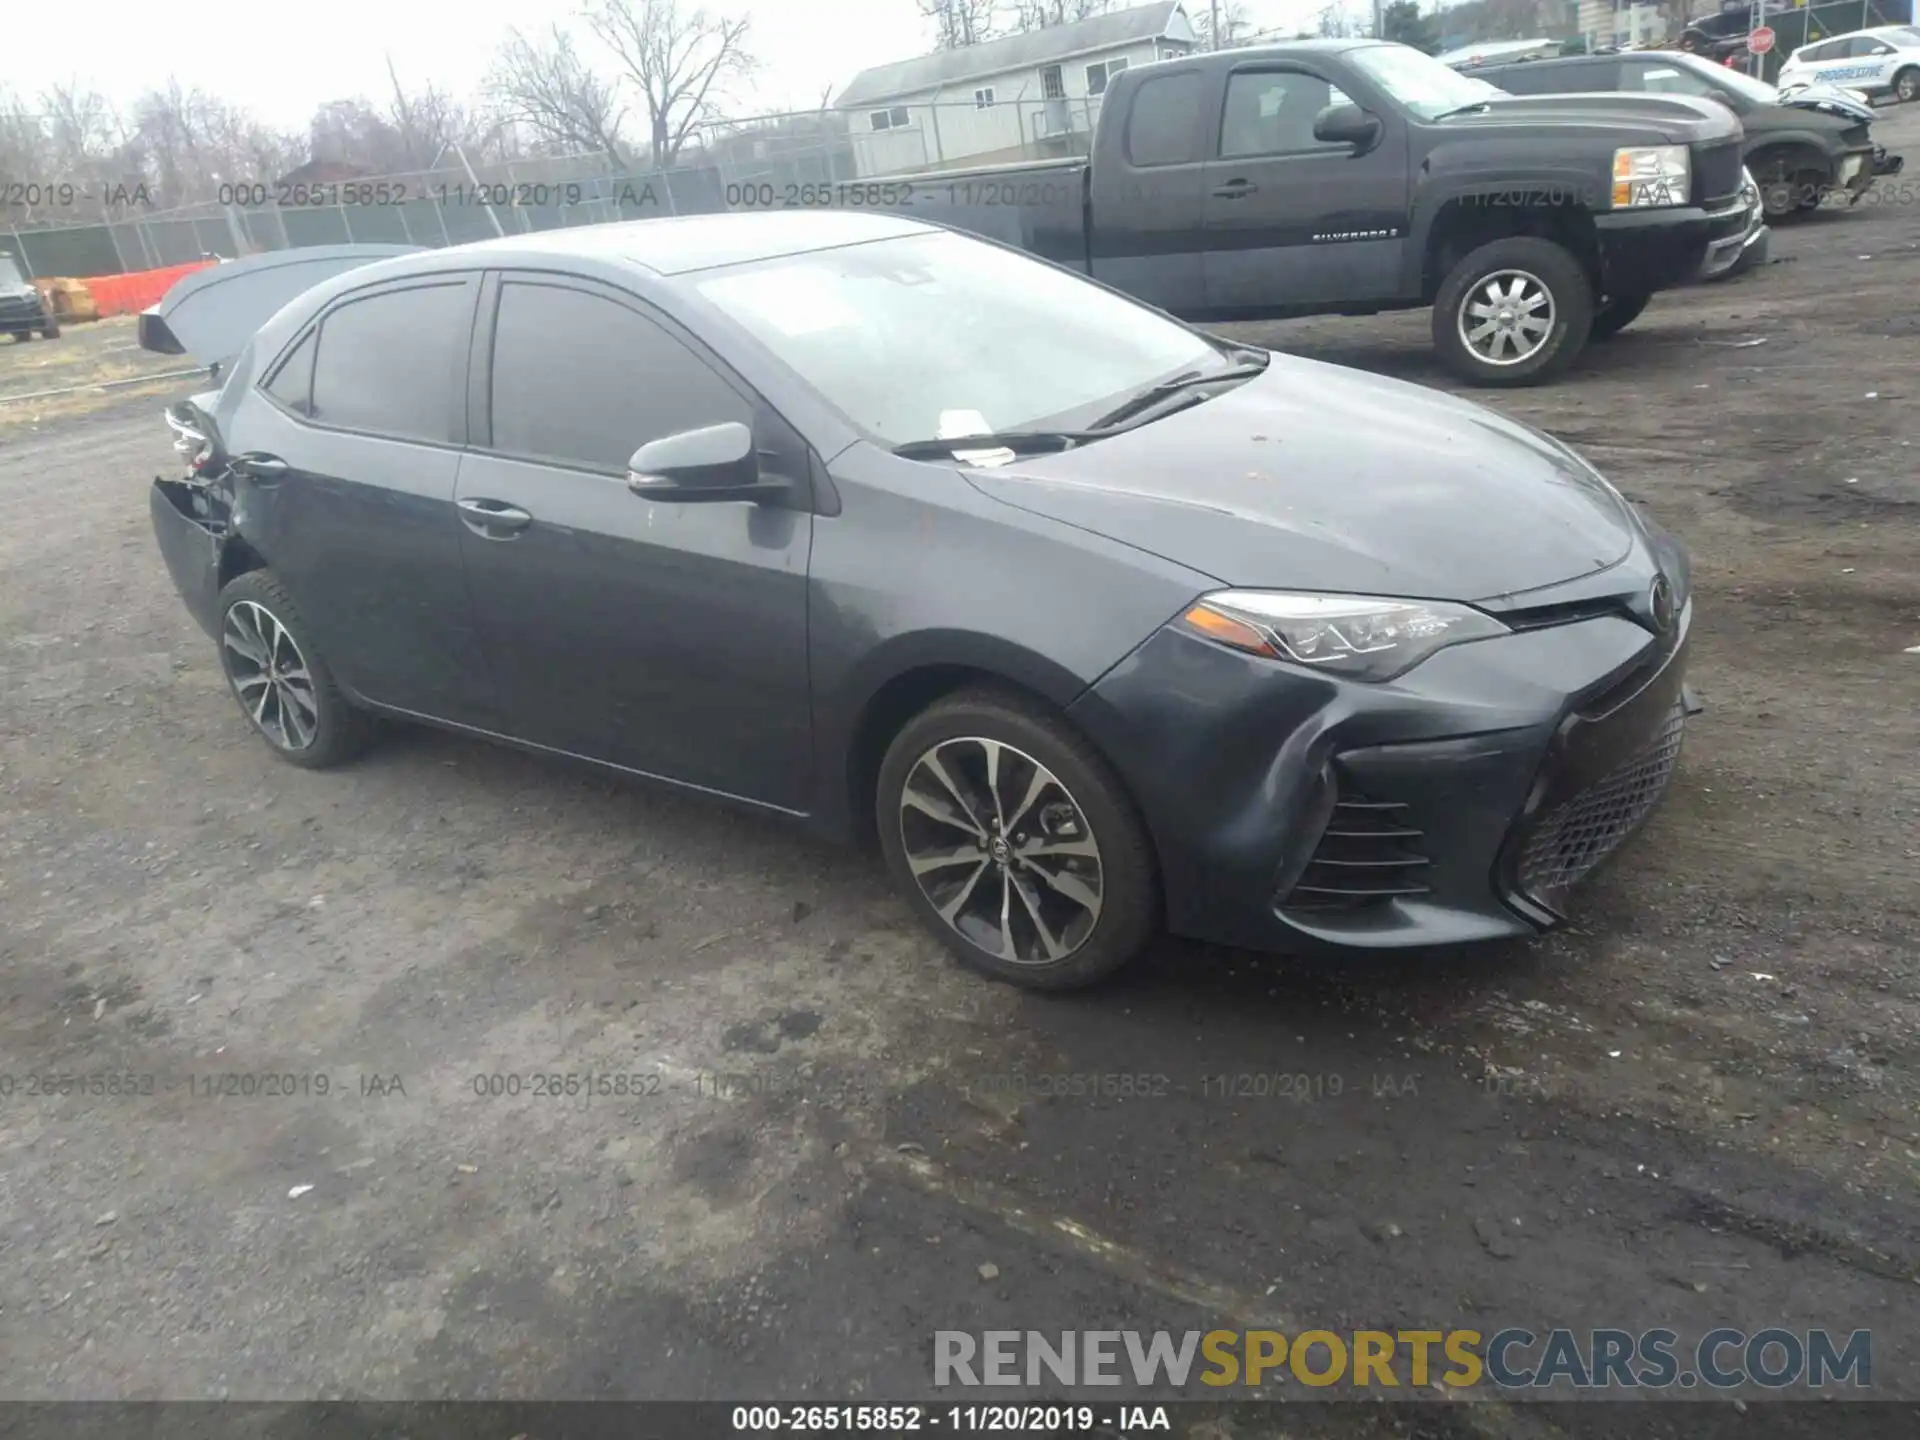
{"x":51,"y":330}
{"x":1512,"y":312}
{"x":1015,"y":843}
{"x":281,"y":682}
{"x":1615,"y":313}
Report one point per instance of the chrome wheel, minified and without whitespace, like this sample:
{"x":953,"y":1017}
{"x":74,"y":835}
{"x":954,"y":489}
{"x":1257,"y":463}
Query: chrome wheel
{"x":1506,"y":317}
{"x":1001,"y":850}
{"x":270,"y":675}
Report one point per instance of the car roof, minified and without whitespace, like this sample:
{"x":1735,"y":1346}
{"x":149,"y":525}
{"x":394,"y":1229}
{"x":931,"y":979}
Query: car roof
{"x":1904,"y":31}
{"x":676,"y":244}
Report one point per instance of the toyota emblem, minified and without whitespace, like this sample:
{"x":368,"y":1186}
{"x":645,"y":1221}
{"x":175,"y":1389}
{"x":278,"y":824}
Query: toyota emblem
{"x":1660,"y":604}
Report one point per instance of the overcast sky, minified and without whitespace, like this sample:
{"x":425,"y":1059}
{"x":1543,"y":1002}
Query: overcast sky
{"x":281,"y":62}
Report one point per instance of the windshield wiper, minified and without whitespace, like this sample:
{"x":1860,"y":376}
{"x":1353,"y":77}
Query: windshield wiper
{"x":1021,"y":442}
{"x":1154,"y":394}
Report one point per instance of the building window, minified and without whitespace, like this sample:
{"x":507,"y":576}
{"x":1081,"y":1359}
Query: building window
{"x":896,"y":118}
{"x":1099,"y":73}
{"x":1052,"y":87}
{"x":983,"y":97}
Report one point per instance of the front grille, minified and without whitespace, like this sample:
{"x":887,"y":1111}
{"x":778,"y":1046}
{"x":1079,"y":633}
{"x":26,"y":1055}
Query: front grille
{"x":1369,"y":853}
{"x":12,"y":308}
{"x":1716,"y":173}
{"x":1565,"y":844}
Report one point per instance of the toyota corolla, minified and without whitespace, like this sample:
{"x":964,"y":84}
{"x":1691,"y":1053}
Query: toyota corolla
{"x":1096,"y":623}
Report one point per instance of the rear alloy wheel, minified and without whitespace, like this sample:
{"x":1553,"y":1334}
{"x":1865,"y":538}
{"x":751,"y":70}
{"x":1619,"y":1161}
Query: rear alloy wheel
{"x":1906,"y":85}
{"x":1015,"y":843}
{"x":1615,"y":313}
{"x":1512,"y":312}
{"x":280,"y":680}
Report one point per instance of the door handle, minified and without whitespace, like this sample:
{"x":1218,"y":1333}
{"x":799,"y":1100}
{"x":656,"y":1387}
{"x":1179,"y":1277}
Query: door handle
{"x":1234,"y":189}
{"x":260,"y":466}
{"x":494,"y":519}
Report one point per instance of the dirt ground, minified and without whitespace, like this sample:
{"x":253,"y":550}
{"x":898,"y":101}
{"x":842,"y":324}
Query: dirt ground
{"x":1703,"y":1106}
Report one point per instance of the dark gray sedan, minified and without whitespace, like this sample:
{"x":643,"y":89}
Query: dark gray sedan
{"x":1095,"y":622}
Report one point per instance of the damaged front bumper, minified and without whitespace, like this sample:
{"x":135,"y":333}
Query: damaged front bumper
{"x":1749,"y":247}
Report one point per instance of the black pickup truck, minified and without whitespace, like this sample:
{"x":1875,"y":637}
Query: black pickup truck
{"x":1354,"y":176}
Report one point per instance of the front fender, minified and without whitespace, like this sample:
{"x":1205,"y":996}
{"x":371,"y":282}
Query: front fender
{"x":843,"y":716}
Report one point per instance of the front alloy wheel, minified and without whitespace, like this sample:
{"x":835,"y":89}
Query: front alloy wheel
{"x":1001,"y":850}
{"x":1506,"y":318}
{"x":1015,"y":842}
{"x":1513,"y":311}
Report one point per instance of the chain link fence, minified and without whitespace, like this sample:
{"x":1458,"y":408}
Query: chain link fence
{"x":766,"y":162}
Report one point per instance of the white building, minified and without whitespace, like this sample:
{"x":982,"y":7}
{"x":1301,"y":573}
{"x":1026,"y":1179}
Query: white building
{"x":1024,"y":96}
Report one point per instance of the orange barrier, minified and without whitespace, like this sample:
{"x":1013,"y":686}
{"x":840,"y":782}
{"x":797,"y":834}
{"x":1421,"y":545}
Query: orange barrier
{"x":130,"y":294}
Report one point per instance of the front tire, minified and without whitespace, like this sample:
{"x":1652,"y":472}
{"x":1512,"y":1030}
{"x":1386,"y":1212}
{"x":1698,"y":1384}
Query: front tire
{"x":1615,"y":313}
{"x":1513,"y":312}
{"x":1015,"y":842}
{"x":277,"y":674}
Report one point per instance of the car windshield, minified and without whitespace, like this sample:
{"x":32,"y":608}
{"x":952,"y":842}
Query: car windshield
{"x":1758,"y":91}
{"x":1420,"y":82}
{"x":933,"y":336}
{"x":10,"y":276}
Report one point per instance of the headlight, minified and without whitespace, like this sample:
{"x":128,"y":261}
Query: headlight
{"x":1651,"y":175}
{"x":1362,"y":636}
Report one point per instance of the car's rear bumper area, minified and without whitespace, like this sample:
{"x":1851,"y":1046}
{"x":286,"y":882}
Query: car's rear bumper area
{"x":1645,"y":251}
{"x":191,"y":532}
{"x":1462,"y":802}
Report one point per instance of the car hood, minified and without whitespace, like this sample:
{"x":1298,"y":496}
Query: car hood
{"x":210,"y":314}
{"x":1828,"y":100}
{"x":1316,"y":477}
{"x":1676,"y":119}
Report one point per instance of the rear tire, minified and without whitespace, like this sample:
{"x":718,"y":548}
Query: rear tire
{"x":283,"y":684}
{"x":50,"y":330}
{"x":1504,"y":281}
{"x":1906,"y":85}
{"x":1615,"y":313}
{"x":1047,"y":879}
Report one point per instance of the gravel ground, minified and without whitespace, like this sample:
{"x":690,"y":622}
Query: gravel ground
{"x":1702,"y":1108}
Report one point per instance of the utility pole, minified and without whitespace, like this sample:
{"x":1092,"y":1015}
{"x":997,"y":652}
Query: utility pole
{"x":1213,"y":25}
{"x":1379,"y":21}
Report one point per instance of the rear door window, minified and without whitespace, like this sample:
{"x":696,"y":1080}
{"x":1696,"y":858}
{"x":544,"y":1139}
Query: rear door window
{"x":388,"y":363}
{"x":1164,"y":126}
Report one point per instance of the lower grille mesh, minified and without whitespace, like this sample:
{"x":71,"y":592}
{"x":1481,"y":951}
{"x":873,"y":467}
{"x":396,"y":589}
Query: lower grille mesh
{"x":1566,"y":843}
{"x":1369,"y":853}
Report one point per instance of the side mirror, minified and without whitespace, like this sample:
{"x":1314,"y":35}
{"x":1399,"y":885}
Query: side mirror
{"x":1346,"y":125}
{"x":196,"y":437}
{"x":709,"y":465}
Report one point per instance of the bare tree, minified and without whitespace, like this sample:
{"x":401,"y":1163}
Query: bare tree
{"x":959,"y":23}
{"x":679,"y":60}
{"x":547,"y":88}
{"x":1336,"y":23}
{"x":1042,"y":14}
{"x":1231,"y":18}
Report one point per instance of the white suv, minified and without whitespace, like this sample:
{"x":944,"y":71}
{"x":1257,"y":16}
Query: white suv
{"x":1883,"y":61}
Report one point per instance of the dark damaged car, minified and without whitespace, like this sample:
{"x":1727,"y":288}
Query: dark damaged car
{"x":1097,"y":623}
